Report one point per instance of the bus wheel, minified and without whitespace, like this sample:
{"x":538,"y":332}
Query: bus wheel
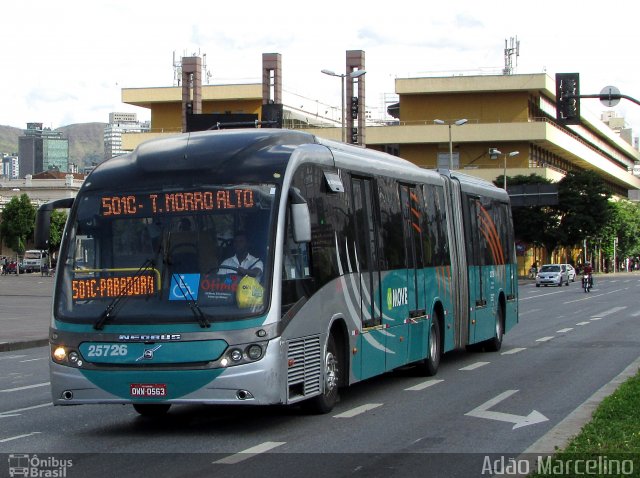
{"x":151,"y":409}
{"x":494,"y":344}
{"x":325,"y":402}
{"x":429,"y":366}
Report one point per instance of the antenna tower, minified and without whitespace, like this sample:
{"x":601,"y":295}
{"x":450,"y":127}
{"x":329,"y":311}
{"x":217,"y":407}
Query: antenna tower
{"x":177,"y":68}
{"x":511,"y":49}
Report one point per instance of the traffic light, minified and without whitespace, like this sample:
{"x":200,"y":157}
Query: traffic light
{"x":354,"y":107}
{"x":354,"y":135}
{"x":568,"y":98}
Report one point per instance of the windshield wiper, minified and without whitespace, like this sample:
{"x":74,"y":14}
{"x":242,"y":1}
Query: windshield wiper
{"x":192,"y":302}
{"x":110,"y":312}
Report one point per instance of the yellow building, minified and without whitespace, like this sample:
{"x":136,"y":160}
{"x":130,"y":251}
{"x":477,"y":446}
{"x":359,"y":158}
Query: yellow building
{"x":486,"y":125}
{"x":508,"y":113}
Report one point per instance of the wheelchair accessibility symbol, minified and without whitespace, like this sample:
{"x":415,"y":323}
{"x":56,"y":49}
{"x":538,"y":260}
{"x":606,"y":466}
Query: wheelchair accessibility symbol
{"x":184,"y":287}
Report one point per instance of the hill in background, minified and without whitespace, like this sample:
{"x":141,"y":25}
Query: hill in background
{"x":86,"y":142}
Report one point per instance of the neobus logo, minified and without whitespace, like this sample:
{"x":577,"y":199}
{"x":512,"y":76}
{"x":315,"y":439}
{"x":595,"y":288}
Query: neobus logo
{"x":150,"y":337}
{"x":397,"y":297}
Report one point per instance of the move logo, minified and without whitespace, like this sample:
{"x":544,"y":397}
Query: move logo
{"x":397,"y":297}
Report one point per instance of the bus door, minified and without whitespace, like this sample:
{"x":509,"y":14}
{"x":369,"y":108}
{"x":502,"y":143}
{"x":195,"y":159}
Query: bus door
{"x":478,"y":287}
{"x":372,"y":338}
{"x":417,"y":326}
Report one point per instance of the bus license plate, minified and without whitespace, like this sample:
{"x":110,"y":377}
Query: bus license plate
{"x":148,"y":389}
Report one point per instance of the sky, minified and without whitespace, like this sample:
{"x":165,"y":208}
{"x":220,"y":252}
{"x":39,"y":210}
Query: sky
{"x":66,"y":62}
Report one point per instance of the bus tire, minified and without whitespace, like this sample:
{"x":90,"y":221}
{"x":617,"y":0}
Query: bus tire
{"x":325,"y":402}
{"x":429,"y":366}
{"x":152,"y":409}
{"x":494,"y":344}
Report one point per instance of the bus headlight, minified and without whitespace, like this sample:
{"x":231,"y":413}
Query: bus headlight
{"x":60,"y":354}
{"x":236,"y":355}
{"x":254,"y":352}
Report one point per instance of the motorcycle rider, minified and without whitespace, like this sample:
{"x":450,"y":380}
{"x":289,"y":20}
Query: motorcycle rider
{"x":588,"y":271}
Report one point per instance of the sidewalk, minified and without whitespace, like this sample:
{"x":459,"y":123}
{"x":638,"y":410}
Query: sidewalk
{"x":25,"y":304}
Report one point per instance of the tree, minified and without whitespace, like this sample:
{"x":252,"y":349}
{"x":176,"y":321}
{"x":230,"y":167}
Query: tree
{"x":18,"y":219}
{"x":623,"y":225}
{"x":58,"y":219}
{"x":536,"y":225}
{"x":583,"y":205}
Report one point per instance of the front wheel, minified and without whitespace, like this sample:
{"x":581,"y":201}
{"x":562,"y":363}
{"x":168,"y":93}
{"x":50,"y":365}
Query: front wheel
{"x":325,"y":402}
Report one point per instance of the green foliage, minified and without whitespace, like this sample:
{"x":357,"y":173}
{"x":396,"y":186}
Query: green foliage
{"x":18,"y":220}
{"x":584,"y":206}
{"x":624,"y":225}
{"x":537,"y":225}
{"x":58,"y":219}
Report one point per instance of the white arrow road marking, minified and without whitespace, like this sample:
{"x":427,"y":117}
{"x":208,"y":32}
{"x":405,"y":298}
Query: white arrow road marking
{"x":518,"y":420}
{"x":249,"y":453}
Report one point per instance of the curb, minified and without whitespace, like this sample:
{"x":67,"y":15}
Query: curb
{"x":26,"y":344}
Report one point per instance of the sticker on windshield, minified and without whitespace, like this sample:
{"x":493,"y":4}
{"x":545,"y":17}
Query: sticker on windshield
{"x":184,"y":287}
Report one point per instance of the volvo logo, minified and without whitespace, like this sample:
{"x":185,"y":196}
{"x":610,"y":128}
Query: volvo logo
{"x":148,"y":353}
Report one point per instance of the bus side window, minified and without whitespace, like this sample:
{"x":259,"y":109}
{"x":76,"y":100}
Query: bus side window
{"x":297,"y":282}
{"x":296,"y":258}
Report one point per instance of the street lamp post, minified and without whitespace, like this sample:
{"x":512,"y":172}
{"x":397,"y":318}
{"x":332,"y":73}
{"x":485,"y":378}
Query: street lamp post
{"x":504,"y":174}
{"x":459,"y":122}
{"x":343,"y":76}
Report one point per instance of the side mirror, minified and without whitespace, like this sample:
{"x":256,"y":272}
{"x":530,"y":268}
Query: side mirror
{"x":300,"y":217}
{"x":43,"y":221}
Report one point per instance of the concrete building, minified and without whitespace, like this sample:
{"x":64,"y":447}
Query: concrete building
{"x":9,"y":167}
{"x":120,"y":123}
{"x":41,"y":188}
{"x":512,"y":114}
{"x":41,"y":149}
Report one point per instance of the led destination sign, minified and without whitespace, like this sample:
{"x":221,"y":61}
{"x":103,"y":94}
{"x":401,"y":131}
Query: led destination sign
{"x":109,"y":287}
{"x":180,"y":202}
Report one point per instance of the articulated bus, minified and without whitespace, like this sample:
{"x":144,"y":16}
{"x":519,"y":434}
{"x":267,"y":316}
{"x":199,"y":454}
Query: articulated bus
{"x":368,"y":263}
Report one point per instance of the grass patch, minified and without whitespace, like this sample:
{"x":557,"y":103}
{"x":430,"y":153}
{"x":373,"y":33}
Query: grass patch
{"x":609,"y":443}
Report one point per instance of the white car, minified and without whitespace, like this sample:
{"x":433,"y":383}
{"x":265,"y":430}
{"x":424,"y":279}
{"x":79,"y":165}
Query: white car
{"x":571,"y":272}
{"x":552,"y":274}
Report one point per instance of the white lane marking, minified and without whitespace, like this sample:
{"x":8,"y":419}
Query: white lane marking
{"x":11,"y":356}
{"x":423,"y":385}
{"x":474,"y":366}
{"x":612,"y":311}
{"x":514,"y":351}
{"x":5,"y":440}
{"x":249,"y":453}
{"x":635,"y":314}
{"x":583,"y":323}
{"x":26,"y":387}
{"x":17,"y":412}
{"x":518,"y":420}
{"x":562,"y":331}
{"x":545,"y":339}
{"x":33,"y":360}
{"x":358,"y":410}
{"x":593,"y":319}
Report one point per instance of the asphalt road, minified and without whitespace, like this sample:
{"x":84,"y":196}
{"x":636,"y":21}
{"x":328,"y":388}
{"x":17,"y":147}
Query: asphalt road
{"x":480,"y":406}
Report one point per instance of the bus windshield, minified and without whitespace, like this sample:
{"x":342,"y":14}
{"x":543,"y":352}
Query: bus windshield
{"x":142,"y":257}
